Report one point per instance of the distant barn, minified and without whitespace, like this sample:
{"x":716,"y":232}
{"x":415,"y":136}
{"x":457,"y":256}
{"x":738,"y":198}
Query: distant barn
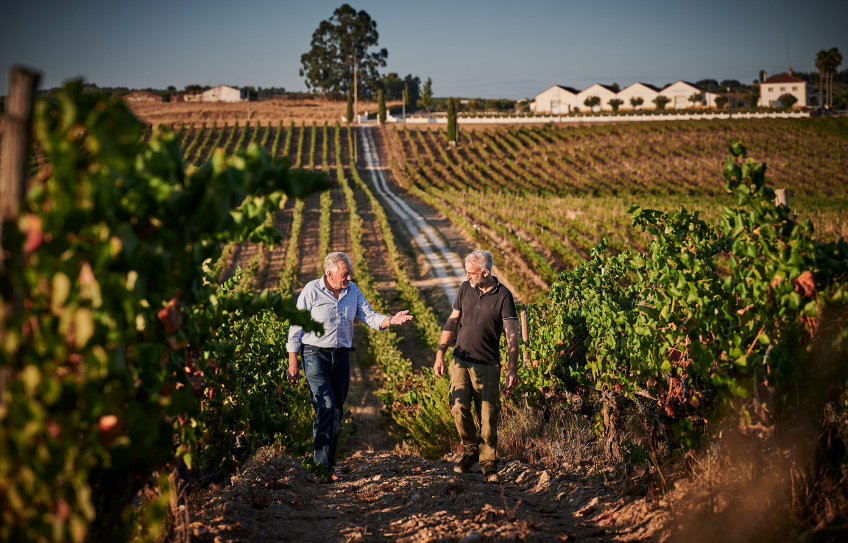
{"x":143,"y":96}
{"x":224,"y":93}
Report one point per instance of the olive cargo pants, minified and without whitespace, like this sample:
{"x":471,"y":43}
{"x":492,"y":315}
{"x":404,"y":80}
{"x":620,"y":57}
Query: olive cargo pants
{"x":480,"y":383}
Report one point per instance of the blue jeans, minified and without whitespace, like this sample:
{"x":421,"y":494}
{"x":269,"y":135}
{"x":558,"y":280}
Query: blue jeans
{"x":328,"y":376}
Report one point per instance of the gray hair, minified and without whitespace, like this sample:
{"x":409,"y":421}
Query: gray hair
{"x":483,"y":259}
{"x":331,"y":262}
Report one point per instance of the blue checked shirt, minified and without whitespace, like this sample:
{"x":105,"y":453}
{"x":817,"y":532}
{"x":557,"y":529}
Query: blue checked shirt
{"x":336,"y":315}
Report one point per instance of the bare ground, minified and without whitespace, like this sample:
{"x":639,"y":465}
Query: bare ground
{"x":392,"y":496}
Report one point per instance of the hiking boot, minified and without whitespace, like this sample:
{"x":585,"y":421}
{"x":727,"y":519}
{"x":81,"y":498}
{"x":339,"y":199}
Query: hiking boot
{"x":492,"y":477}
{"x":465,"y":463}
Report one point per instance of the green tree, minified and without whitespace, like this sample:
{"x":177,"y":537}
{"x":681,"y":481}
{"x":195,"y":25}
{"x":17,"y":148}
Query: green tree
{"x":451,"y":119}
{"x":381,"y":107}
{"x":427,"y":94}
{"x":696,"y":98}
{"x":615,"y":103}
{"x":615,"y":87}
{"x":636,"y":101}
{"x":349,"y":115}
{"x":406,"y":103}
{"x":821,"y":66}
{"x":413,"y":85}
{"x":591,"y":102}
{"x":393,"y":87}
{"x":787,"y":100}
{"x":721,"y":101}
{"x":832,"y":61}
{"x":340,"y":43}
{"x":661,"y":101}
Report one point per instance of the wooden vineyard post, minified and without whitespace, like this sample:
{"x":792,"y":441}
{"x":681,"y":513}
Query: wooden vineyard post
{"x":15,"y":148}
{"x":13,"y":168}
{"x":525,"y":334}
{"x":780,"y":197}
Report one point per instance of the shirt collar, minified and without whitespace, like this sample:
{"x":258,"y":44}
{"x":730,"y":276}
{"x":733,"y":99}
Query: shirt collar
{"x":323,"y":283}
{"x":493,"y":290}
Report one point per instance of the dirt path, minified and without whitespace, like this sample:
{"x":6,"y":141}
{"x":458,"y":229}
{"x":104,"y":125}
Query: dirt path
{"x":390,"y":496}
{"x":440,"y":246}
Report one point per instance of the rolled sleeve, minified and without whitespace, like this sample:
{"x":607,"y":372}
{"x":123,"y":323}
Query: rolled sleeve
{"x":366,"y":314}
{"x":296,"y":332}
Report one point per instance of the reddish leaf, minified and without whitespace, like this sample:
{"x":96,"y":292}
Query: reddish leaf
{"x":804,"y":284}
{"x":171,"y":317}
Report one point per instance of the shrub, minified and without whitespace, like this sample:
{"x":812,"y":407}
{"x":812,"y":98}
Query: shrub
{"x":720,"y":102}
{"x":787,"y":101}
{"x":636,"y":101}
{"x":591,"y":102}
{"x":615,"y":103}
{"x":661,"y":101}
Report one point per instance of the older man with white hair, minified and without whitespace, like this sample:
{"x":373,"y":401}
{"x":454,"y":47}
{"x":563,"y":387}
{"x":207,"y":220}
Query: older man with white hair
{"x":482,"y":310}
{"x":335,"y":301}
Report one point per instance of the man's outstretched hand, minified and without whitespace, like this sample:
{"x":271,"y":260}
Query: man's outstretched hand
{"x":401,"y":318}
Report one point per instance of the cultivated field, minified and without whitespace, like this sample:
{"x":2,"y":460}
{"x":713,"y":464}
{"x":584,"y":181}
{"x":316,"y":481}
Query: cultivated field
{"x":317,"y":109}
{"x":543,"y":197}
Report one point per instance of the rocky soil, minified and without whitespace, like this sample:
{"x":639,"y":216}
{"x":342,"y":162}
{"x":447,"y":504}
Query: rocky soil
{"x":391,"y":496}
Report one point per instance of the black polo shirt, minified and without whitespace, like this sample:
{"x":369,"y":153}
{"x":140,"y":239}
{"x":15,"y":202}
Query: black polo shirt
{"x":481,"y":322}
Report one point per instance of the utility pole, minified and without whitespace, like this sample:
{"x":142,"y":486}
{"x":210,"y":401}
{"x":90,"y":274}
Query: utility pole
{"x":355,"y":97}
{"x":729,"y":104}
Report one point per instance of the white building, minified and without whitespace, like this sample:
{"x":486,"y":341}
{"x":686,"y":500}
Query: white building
{"x":604,"y":92}
{"x":679,"y":93}
{"x":556,"y":100}
{"x":224,"y":93}
{"x":777,"y":85}
{"x":638,"y":90}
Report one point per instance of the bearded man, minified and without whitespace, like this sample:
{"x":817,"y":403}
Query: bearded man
{"x":482,"y":310}
{"x":335,"y":301}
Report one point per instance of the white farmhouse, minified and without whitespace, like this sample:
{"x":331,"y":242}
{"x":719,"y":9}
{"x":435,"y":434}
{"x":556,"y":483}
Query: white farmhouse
{"x":556,"y":100}
{"x":777,"y":85}
{"x":604,"y":92}
{"x":638,"y":90}
{"x":224,"y":93}
{"x":679,"y":94}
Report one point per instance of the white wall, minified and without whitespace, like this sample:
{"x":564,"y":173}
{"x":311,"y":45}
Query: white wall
{"x":679,"y":94}
{"x":553,"y":94}
{"x":222,"y":93}
{"x":770,"y":92}
{"x":596,"y":90}
{"x":637,"y":90}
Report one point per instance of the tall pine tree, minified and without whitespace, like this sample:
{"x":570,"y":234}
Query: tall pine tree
{"x":349,"y":108}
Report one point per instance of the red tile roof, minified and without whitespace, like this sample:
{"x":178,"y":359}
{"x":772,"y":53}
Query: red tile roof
{"x":783,"y":78}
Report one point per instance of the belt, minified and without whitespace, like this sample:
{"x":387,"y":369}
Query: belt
{"x":334,"y":350}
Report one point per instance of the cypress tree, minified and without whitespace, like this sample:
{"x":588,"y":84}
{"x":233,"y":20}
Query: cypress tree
{"x":349,"y":108}
{"x":406,"y":96}
{"x":381,"y":107}
{"x":451,"y":120}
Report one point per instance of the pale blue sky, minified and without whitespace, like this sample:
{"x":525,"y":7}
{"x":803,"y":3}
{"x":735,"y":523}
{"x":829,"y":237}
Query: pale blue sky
{"x":489,"y":49}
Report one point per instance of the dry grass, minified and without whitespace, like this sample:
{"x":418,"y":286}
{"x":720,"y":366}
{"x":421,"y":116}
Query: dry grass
{"x":318,"y":109}
{"x":556,"y":438}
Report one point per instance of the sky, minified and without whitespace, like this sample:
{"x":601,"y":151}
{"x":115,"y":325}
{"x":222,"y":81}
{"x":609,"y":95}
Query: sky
{"x":491,"y":49}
